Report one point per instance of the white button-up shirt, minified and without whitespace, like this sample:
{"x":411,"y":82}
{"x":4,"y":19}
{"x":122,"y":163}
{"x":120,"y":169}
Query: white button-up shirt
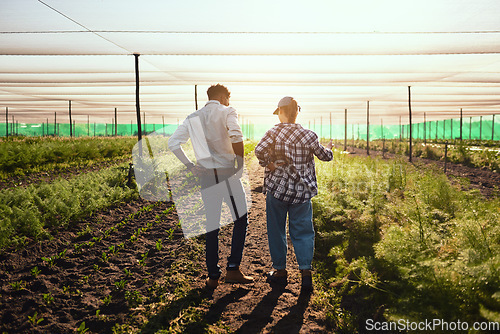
{"x":212,"y":129}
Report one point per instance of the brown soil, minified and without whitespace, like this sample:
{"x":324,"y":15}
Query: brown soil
{"x":484,"y":180}
{"x":76,"y":287}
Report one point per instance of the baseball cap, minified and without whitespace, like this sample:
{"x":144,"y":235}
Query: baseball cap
{"x":284,"y":102}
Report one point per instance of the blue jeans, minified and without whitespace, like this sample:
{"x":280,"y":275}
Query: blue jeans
{"x":212,"y":200}
{"x":301,"y":230}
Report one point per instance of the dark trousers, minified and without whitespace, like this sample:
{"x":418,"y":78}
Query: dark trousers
{"x":215,"y":190}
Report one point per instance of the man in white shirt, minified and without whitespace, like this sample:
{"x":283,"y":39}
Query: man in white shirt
{"x":217,"y":142}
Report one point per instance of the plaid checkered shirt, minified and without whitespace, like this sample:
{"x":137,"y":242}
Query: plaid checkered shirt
{"x":295,"y":147}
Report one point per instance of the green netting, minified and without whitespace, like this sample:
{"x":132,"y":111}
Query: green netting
{"x":476,"y":128}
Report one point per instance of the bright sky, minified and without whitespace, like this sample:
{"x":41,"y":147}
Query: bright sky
{"x":329,"y":55}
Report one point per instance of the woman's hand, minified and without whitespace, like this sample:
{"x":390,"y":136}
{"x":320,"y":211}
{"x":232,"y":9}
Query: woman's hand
{"x":272,"y":166}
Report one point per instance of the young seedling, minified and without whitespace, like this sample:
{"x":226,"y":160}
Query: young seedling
{"x":112,"y":249}
{"x":170,"y":234}
{"x":20,"y":285}
{"x":96,"y":267}
{"x":104,"y":257}
{"x":49,"y":260}
{"x":34,"y":319}
{"x":106,"y":300}
{"x":35,"y":272}
{"x":144,"y":256}
{"x":120,"y":285}
{"x":128,"y":273}
{"x":62,"y":255}
{"x":82,"y":329}
{"x":48,"y":298}
{"x":133,"y":298}
{"x":159,"y":246}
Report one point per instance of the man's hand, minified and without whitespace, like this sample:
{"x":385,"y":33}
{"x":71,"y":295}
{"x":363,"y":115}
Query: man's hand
{"x":198,"y":171}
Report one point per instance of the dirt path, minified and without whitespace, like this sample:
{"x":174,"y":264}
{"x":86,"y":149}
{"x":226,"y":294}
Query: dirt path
{"x":128,"y":269}
{"x":257,"y":308}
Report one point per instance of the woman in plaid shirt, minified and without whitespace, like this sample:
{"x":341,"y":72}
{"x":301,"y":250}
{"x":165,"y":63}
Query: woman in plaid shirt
{"x":287,"y":152}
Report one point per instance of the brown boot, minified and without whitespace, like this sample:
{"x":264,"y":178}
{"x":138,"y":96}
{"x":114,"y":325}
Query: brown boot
{"x":212,"y":283}
{"x":307,"y":284}
{"x":279,"y":276}
{"x":236,"y":276}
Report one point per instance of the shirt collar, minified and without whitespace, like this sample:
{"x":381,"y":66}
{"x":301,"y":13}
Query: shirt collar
{"x":213,"y":101}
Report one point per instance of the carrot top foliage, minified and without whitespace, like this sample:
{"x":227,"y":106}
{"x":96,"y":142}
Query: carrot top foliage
{"x":28,"y":154}
{"x":406,"y":239}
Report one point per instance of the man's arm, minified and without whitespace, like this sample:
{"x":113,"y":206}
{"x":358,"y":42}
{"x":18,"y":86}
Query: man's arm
{"x":239,"y":151}
{"x":179,"y":153}
{"x":180,"y":136}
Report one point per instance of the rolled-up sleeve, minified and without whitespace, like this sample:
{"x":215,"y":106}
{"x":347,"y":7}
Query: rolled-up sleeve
{"x":321,"y":152}
{"x":233,"y":128}
{"x":179,"y":137}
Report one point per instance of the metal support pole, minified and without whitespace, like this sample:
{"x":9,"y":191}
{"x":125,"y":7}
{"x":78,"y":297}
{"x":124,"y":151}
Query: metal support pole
{"x":196,"y":97}
{"x":7,"y":122}
{"x":409,"y":110}
{"x":55,"y":122}
{"x":163,"y":123}
{"x":481,"y":128}
{"x":425,"y":129}
{"x":367,"y":127}
{"x":345,"y":130}
{"x":493,"y":128}
{"x":116,"y":123}
{"x":70,"y":121}
{"x":461,"y":123}
{"x":88,"y":125}
{"x":137,"y":104}
{"x":400,"y":130}
{"x":470,"y":128}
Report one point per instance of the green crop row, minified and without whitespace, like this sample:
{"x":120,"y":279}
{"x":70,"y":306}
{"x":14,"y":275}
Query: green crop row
{"x":33,"y":211}
{"x":18,"y":156}
{"x":461,"y":152}
{"x":394,"y":242}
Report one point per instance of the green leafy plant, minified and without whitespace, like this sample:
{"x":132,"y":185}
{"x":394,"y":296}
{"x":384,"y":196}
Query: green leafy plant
{"x":34,"y":319}
{"x":120,"y":285}
{"x":133,"y":298}
{"x":128,"y":273}
{"x":159,"y":245}
{"x":143,"y":259}
{"x":170,"y":234}
{"x":106,"y":300}
{"x":82,"y":329}
{"x":35,"y":272}
{"x":48,"y":298}
{"x":18,"y":285}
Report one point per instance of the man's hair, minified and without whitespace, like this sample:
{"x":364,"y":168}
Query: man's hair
{"x":291,"y":110}
{"x":215,"y":90}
